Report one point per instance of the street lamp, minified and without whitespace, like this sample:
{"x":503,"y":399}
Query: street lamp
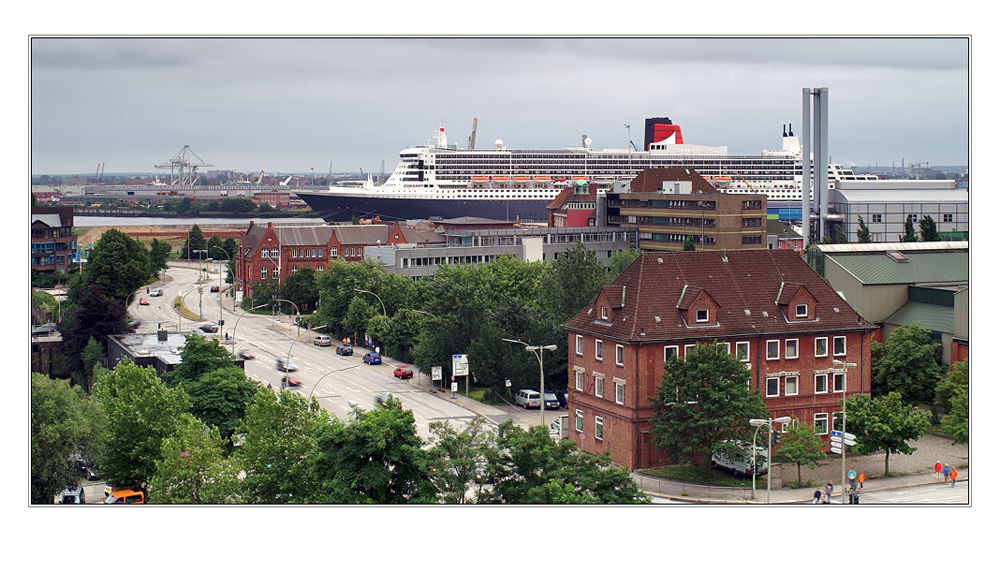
{"x":376,"y":297}
{"x":228,"y":259}
{"x":843,"y":428}
{"x":198,"y":252}
{"x":238,"y":322}
{"x":288,"y":357}
{"x":316,"y":385}
{"x":759,"y":422}
{"x":537,"y":350}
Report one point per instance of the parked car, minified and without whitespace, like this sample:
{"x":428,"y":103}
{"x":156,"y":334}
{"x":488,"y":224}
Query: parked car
{"x":126,"y":496}
{"x":291,"y":380}
{"x":561,"y":395}
{"x":156,"y":293}
{"x":322,"y":340}
{"x":74,"y":495}
{"x":372,"y":359}
{"x":284,"y":365}
{"x":246,"y":354}
{"x":345,"y":350}
{"x":528,"y":398}
{"x":215,"y":289}
{"x":735,"y":456}
{"x":143,"y":301}
{"x":551,"y":402}
{"x":403,"y":372}
{"x":209,"y":328}
{"x":83,"y":467}
{"x":44,"y":329}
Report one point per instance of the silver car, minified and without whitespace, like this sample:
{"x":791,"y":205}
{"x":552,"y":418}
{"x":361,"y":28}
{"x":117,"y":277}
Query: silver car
{"x":528,"y":398}
{"x":322,"y":340}
{"x":286,"y":365}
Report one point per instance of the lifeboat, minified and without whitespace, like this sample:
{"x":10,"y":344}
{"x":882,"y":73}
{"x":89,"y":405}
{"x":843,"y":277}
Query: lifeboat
{"x":521,"y":178}
{"x":500,"y":178}
{"x":558,"y":179}
{"x":542,"y":179}
{"x":480,"y":178}
{"x":587,"y":178}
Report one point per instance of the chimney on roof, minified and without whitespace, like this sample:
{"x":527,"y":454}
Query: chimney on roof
{"x":725,"y":259}
{"x":784,"y":132}
{"x":161,"y":335}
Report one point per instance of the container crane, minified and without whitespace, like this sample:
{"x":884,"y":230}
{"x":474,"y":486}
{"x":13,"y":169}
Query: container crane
{"x":472,"y":138}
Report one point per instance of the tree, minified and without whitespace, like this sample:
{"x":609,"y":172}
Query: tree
{"x":141,"y":412}
{"x":219,"y":398}
{"x":92,"y":356}
{"x":456,"y":459}
{"x":906,"y":363}
{"x":375,"y":457}
{"x":64,"y":423}
{"x":702,"y":401}
{"x":277,"y":445}
{"x":199,"y":356}
{"x":909,"y":235}
{"x":237,"y":205}
{"x":159,"y":252}
{"x":864,"y":236}
{"x":620,"y":260}
{"x":885,"y":424}
{"x":802,"y":445}
{"x":688,"y":244}
{"x":956,"y":379}
{"x":928,"y":229}
{"x":192,"y":467}
{"x":96,"y":316}
{"x":528,"y":466}
{"x":195,"y":241}
{"x":214,"y":246}
{"x":300,"y":288}
{"x":117,"y":264}
{"x":957,"y":420}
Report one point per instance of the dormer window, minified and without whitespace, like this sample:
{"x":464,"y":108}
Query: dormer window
{"x":701,"y":316}
{"x":604,"y":312}
{"x":802,"y":310}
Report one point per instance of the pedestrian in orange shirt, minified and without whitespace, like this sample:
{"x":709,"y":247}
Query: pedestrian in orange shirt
{"x":954,"y":475}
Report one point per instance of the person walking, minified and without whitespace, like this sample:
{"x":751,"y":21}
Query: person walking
{"x":829,"y":491}
{"x":954,"y":475}
{"x":937,"y":467}
{"x":945,"y":471}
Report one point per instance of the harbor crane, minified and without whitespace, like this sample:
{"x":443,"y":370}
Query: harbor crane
{"x":184,"y":171}
{"x":472,"y":138}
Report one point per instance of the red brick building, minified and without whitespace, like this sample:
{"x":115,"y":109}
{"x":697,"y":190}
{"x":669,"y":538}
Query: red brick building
{"x":53,"y":244}
{"x":269,"y":252}
{"x":574,"y":206}
{"x":767,"y":307}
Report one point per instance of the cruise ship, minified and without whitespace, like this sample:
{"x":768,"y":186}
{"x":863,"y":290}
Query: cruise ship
{"x":442,"y":180}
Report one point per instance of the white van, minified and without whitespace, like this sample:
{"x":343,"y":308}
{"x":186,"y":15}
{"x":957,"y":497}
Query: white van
{"x":528,"y":398}
{"x":736,"y":458}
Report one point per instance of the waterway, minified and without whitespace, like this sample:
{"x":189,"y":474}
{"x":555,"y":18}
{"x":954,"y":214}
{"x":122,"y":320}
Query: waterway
{"x":92,"y":221}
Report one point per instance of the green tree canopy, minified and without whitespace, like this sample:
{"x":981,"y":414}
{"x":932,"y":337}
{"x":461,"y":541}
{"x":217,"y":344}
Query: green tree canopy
{"x":219,"y":398}
{"x":457,"y":459}
{"x":952,"y":397}
{"x":906,"y":363}
{"x":117,"y":264}
{"x":375,"y":457}
{"x":141,"y":412}
{"x":801,"y":444}
{"x":928,"y":229}
{"x":95,"y":316}
{"x":702,"y":401}
{"x":64,"y":423}
{"x":300,"y":288}
{"x":192,"y":467}
{"x":909,"y":234}
{"x":885,"y":424}
{"x":199,"y":356}
{"x":195,"y":241}
{"x":864,"y":235}
{"x":528,"y":466}
{"x":276,"y":446}
{"x":159,"y":252}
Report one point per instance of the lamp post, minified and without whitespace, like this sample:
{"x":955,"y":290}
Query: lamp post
{"x":228,"y":258}
{"x":376,"y":297}
{"x":843,"y":428}
{"x":238,"y":322}
{"x":288,"y":357}
{"x":537,"y":350}
{"x":316,"y":385}
{"x":198,"y":252}
{"x":759,"y":422}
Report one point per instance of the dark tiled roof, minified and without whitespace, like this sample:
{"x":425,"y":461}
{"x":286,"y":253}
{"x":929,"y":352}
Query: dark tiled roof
{"x":304,"y":235}
{"x":745,"y":286}
{"x":652,"y":180}
{"x":420,"y":235}
{"x":363,"y":234}
{"x":252,"y":239}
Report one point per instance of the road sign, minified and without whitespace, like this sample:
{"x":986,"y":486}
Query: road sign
{"x":850,"y":436}
{"x":454,"y":386}
{"x":835,"y":439}
{"x":836,"y":433}
{"x":435,"y":373}
{"x":850,"y":442}
{"x":460,"y":364}
{"x":835,"y":449}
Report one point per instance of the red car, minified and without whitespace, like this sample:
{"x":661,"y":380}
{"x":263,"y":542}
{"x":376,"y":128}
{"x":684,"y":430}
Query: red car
{"x":291,"y":380}
{"x":402,"y":372}
{"x":143,"y":301}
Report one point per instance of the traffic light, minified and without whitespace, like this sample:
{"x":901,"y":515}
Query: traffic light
{"x":775,"y":438}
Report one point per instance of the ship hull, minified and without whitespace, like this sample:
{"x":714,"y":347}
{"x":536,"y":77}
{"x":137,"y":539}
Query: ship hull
{"x":340,"y":208}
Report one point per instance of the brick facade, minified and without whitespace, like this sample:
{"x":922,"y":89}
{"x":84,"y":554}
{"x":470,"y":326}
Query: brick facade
{"x":650,"y":313}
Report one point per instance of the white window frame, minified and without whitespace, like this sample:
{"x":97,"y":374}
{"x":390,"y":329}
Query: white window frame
{"x":263,"y":273}
{"x":794,"y":343}
{"x":801,"y":310}
{"x":746,"y":351}
{"x":825,"y":382}
{"x":604,"y":312}
{"x":842,"y":352}
{"x":777,"y":350}
{"x":275,"y":273}
{"x":333,"y":252}
{"x":599,"y":428}
{"x":668,"y":349}
{"x":794,"y":381}
{"x":579,"y":380}
{"x":599,"y":385}
{"x":825,"y":342}
{"x":698,"y":316}
{"x":822,"y":421}
{"x":599,"y":350}
{"x":579,"y":420}
{"x":619,"y":392}
{"x":263,"y":253}
{"x":619,"y":355}
{"x":688,"y":348}
{"x":839,"y":378}
{"x":768,"y":382}
{"x":579,"y":345}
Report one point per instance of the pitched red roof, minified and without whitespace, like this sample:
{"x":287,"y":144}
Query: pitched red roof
{"x":745,"y":284}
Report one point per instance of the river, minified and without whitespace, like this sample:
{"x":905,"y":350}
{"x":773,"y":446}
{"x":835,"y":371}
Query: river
{"x":92,"y":221}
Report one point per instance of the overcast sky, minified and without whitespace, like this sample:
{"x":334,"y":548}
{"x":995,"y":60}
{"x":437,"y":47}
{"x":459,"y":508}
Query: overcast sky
{"x":287,"y":105}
